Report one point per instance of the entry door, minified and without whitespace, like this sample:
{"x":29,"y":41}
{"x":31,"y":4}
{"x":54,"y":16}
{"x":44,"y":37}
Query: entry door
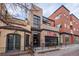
{"x":13,"y":42}
{"x":36,"y":40}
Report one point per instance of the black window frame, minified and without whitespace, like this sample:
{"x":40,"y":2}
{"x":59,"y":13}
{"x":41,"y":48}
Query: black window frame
{"x":36,"y":21}
{"x":51,"y":41}
{"x":8,"y":41}
{"x":26,"y":40}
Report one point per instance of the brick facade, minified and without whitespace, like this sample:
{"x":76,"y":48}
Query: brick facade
{"x":68,"y":23}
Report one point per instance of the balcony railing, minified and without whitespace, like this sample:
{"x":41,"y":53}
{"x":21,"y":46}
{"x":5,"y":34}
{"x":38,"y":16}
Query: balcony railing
{"x":44,"y":26}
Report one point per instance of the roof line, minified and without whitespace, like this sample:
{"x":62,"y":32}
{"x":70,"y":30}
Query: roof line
{"x":74,"y":16}
{"x":49,"y":19}
{"x":59,"y":8}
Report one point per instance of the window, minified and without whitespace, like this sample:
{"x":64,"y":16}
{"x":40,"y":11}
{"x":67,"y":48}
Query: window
{"x":71,"y":26}
{"x":13,"y":42}
{"x":36,"y":21}
{"x":58,"y":17}
{"x":77,"y":29}
{"x":26,"y":40}
{"x":65,"y":25}
{"x":76,"y":41}
{"x":74,"y":29}
{"x":51,"y":41}
{"x":71,"y":23}
{"x":58,"y":26}
{"x":64,"y":14}
{"x":67,"y":39}
{"x":47,"y":21}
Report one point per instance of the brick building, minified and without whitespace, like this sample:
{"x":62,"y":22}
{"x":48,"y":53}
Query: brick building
{"x":17,"y":34}
{"x":67,"y":24}
{"x":37,"y":30}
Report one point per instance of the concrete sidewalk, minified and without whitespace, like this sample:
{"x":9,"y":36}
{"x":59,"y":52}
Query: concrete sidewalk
{"x":48,"y":51}
{"x":62,"y":50}
{"x":44,"y":50}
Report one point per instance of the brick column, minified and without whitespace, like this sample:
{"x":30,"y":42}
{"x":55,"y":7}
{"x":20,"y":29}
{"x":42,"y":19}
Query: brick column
{"x":71,"y":39}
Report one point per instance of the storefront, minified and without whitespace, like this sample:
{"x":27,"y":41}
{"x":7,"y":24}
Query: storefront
{"x":76,"y":39}
{"x":51,"y":41}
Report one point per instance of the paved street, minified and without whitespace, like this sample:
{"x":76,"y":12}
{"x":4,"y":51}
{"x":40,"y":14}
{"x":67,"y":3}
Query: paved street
{"x":70,"y":50}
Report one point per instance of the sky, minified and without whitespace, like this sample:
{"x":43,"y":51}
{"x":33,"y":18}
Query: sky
{"x":16,"y":11}
{"x":48,"y":9}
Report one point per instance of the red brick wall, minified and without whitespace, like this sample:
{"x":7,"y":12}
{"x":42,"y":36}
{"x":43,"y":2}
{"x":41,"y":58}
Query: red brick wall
{"x":75,"y":25}
{"x":63,"y":20}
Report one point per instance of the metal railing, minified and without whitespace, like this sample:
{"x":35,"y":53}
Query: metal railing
{"x":44,"y":26}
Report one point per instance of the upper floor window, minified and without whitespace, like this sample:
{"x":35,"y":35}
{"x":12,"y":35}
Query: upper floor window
{"x":71,"y":23}
{"x":26,"y":40}
{"x":65,"y":14}
{"x":77,"y":29}
{"x":46,"y":21}
{"x":71,"y":27}
{"x":74,"y":29}
{"x":36,"y":21}
{"x":65,"y":25}
{"x":58,"y":26}
{"x":58,"y":16}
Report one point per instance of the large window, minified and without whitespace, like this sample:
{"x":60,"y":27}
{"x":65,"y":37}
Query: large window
{"x":13,"y":42}
{"x":51,"y":41}
{"x":36,"y":21}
